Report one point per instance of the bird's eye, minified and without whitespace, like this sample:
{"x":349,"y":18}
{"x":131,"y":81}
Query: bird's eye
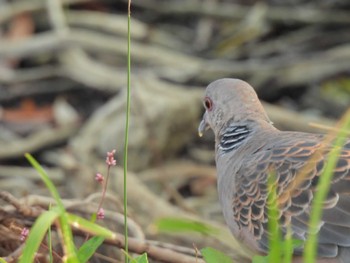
{"x":208,"y":104}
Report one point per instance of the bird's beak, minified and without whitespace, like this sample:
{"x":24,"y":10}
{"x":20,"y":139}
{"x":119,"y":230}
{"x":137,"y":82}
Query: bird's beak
{"x":203,"y":126}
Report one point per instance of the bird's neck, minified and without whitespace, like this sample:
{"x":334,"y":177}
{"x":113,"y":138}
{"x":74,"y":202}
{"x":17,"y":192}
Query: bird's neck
{"x":235,"y":135}
{"x":232,"y":137}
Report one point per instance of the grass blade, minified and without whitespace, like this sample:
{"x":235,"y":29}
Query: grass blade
{"x":37,"y":233}
{"x":68,"y":244}
{"x":88,"y":226}
{"x":288,"y":246}
{"x":322,"y":190}
{"x":171,"y":224}
{"x":141,"y":259}
{"x":275,"y":239}
{"x":212,"y":255}
{"x":89,"y":247}
{"x":126,"y":139}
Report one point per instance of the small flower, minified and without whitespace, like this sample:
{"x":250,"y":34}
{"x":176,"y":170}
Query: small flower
{"x":110,"y":158}
{"x":24,"y":234}
{"x":99,"y":178}
{"x":101,"y":213}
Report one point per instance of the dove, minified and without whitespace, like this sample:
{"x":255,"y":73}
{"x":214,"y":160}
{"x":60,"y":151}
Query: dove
{"x":247,"y":148}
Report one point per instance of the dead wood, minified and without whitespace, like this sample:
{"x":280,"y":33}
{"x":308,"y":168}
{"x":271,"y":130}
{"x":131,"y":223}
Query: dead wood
{"x":233,"y":11}
{"x":36,"y":141}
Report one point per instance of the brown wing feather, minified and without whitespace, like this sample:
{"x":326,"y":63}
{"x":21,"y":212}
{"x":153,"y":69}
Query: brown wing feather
{"x":297,"y":162}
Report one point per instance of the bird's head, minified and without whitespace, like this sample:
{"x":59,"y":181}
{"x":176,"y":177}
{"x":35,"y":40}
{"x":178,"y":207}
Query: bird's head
{"x":229,"y":102}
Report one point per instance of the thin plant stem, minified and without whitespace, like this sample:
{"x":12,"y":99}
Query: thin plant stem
{"x":127,"y":138}
{"x":49,"y":248}
{"x":49,"y":236}
{"x":104,"y":188}
{"x":288,"y":246}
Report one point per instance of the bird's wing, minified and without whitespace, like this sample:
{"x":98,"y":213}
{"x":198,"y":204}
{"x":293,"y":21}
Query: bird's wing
{"x":296,"y":162}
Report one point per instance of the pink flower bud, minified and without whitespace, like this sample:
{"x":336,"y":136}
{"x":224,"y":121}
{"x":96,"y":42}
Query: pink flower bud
{"x":99,"y":178}
{"x":24,"y":234}
{"x":101,"y":213}
{"x":110,"y":158}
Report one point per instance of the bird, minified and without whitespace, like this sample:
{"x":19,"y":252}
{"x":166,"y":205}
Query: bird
{"x":248,"y":147}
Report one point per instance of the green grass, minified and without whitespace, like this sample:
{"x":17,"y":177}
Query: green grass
{"x":65,"y":222}
{"x":58,"y":211}
{"x":185,"y":225}
{"x":323,"y":188}
{"x":37,"y":234}
{"x":126,"y":139}
{"x":310,"y":247}
{"x":273,"y":224}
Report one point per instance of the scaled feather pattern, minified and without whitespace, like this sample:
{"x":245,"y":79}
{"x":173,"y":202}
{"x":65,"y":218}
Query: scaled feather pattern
{"x":249,"y":148}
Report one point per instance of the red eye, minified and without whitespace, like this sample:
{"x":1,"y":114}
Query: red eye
{"x":208,"y":104}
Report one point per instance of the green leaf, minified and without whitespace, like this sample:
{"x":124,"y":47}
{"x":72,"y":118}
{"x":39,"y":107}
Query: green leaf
{"x":89,"y":226}
{"x":184,"y":225}
{"x":176,"y":225}
{"x":37,"y":233}
{"x":212,"y":255}
{"x":93,"y":217}
{"x":141,"y":259}
{"x":68,"y":244}
{"x":2,"y":260}
{"x":89,"y":248}
{"x":260,"y":259}
{"x":45,"y":177}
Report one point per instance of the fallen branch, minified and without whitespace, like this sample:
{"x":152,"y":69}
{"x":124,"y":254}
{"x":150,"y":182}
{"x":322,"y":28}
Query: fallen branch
{"x":233,"y":11}
{"x":36,"y":141}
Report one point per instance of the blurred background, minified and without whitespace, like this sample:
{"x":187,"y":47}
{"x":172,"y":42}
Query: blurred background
{"x":63,"y":91}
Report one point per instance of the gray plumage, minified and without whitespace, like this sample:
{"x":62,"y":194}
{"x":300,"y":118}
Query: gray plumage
{"x":247,"y":147}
